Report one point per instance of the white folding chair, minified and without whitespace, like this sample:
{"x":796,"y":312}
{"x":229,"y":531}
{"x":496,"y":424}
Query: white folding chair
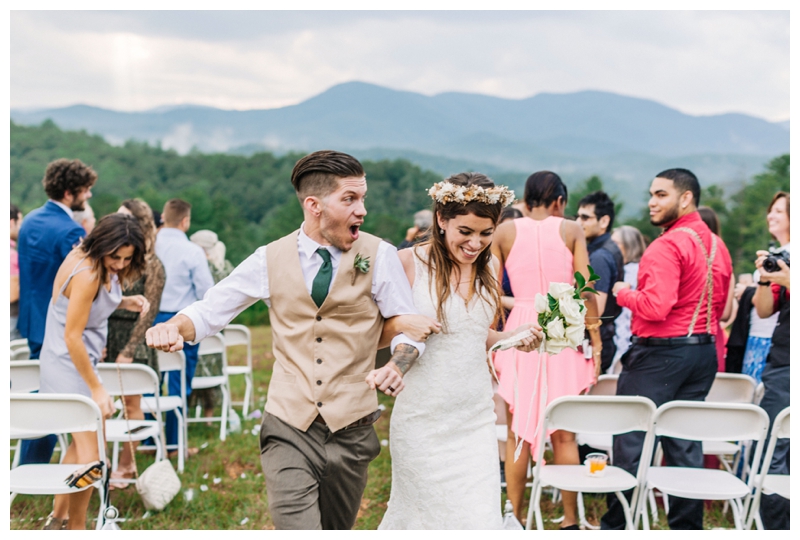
{"x":24,"y":380}
{"x":704,"y":421}
{"x":766,"y":483}
{"x":214,"y":345}
{"x":55,"y":413}
{"x":730,"y":388}
{"x":20,"y":353}
{"x":594,"y":415}
{"x":18,"y":343}
{"x":172,"y":361}
{"x":234,"y":335}
{"x":132,"y":380}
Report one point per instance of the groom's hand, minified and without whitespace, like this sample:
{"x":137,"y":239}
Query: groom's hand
{"x":164,"y":337}
{"x":387,"y":379}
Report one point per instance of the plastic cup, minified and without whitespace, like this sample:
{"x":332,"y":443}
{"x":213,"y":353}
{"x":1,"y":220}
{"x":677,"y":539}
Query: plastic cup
{"x":596,"y":464}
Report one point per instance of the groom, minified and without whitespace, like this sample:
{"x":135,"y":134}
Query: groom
{"x":329,"y":287}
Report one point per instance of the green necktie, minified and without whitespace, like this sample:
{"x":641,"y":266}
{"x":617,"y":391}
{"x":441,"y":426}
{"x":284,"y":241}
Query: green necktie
{"x":322,"y":281}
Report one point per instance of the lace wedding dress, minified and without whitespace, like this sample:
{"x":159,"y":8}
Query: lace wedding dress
{"x":445,"y":462}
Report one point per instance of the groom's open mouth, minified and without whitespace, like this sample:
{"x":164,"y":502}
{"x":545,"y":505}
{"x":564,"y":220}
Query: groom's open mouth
{"x":354,"y":230}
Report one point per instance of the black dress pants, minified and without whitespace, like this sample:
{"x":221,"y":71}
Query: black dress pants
{"x":663,"y":374}
{"x":774,"y":508}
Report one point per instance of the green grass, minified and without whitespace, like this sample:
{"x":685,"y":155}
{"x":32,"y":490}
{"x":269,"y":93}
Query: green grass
{"x":237,"y":498}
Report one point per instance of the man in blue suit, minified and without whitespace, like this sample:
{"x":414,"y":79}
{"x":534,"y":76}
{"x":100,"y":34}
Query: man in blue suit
{"x":47,"y":235}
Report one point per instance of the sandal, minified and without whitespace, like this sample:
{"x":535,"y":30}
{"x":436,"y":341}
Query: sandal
{"x":124,"y":475}
{"x":55,"y":524}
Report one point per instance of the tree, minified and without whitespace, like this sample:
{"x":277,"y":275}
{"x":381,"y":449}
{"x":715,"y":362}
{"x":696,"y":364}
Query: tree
{"x":590,"y":185}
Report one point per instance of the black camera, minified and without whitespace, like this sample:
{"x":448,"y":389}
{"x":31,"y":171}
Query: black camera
{"x":770,"y":264}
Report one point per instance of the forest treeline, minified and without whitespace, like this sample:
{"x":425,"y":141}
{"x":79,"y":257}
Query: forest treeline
{"x":248,"y":200}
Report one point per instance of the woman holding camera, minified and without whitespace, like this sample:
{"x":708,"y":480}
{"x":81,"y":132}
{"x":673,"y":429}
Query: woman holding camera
{"x":759,"y":337}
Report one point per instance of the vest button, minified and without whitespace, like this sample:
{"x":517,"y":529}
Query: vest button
{"x":319,"y":318}
{"x":319,"y":360}
{"x":319,"y":383}
{"x":319,"y":340}
{"x":319,"y":404}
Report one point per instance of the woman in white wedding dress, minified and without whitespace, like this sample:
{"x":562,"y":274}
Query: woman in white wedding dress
{"x":443,"y":438}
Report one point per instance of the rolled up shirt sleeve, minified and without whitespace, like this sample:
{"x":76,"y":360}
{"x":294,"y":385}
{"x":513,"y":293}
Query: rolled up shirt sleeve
{"x":245,"y":286}
{"x":392,"y":292}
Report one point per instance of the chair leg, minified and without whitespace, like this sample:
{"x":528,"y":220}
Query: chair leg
{"x":537,"y":509}
{"x":223,"y":427}
{"x":181,"y":441}
{"x":626,"y":509}
{"x":114,"y":456}
{"x":248,"y":394}
{"x":737,"y":514}
{"x":63,"y":444}
{"x":531,"y":505}
{"x":753,"y":510}
{"x":101,"y":513}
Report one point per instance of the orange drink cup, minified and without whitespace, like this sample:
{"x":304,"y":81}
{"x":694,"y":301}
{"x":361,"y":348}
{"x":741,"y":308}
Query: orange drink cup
{"x":596,"y":464}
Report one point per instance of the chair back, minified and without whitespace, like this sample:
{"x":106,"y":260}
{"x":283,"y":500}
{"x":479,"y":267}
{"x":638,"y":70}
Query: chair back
{"x":608,"y":415}
{"x":606,"y":386}
{"x":171,"y":361}
{"x":759,"y":394}
{"x":214,"y":344}
{"x":137,"y":379}
{"x":55,"y":413}
{"x":239,"y":334}
{"x":19,"y":343}
{"x":780,"y":430}
{"x":24,"y":376}
{"x":20,"y":353}
{"x":704,"y":421}
{"x":732,"y":388}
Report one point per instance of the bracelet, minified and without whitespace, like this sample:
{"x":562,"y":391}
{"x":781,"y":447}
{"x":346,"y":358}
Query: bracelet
{"x":593,"y":326}
{"x":765,"y":283}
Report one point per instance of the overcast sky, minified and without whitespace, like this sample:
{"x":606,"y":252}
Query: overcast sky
{"x":697,"y":62}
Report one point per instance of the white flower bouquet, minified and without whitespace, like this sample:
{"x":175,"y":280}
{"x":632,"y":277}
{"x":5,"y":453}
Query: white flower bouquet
{"x":562,"y":313}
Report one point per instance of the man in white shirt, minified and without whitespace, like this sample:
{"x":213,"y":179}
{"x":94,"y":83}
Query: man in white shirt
{"x":329,"y":287}
{"x":188,"y":278}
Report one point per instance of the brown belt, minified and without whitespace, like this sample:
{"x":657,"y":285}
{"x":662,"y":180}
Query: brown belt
{"x":368,"y":420}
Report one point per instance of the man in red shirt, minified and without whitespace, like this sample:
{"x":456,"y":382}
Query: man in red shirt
{"x":683,"y":276}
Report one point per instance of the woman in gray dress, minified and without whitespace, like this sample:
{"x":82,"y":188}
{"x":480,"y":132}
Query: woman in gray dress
{"x":85,"y":292}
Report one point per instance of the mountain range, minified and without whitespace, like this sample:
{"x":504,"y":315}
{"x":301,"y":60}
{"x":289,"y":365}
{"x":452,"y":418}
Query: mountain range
{"x":625,"y":140}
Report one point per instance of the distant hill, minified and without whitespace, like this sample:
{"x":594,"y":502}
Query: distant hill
{"x":620,"y":138}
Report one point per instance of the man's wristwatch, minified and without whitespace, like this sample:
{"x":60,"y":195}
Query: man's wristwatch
{"x":765,"y":283}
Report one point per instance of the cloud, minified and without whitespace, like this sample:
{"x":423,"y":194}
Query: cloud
{"x":698,"y":62}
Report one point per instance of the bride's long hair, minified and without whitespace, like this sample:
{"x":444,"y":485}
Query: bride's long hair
{"x":441,"y":265}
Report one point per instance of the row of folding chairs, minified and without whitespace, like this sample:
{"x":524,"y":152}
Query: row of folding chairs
{"x":690,"y":420}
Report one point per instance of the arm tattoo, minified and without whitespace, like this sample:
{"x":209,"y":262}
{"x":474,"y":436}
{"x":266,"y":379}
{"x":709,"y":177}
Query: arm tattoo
{"x":404,"y":357}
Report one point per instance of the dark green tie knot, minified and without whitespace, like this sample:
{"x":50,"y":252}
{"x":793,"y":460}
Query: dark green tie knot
{"x":322,"y":281}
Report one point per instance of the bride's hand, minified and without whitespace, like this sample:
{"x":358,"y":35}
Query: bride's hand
{"x":418,"y":327}
{"x":532,"y":342}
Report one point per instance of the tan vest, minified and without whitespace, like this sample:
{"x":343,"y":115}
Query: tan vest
{"x":322,"y":355}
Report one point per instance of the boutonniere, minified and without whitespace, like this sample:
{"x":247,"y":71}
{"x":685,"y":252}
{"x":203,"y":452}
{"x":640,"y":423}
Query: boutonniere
{"x":361,"y":264}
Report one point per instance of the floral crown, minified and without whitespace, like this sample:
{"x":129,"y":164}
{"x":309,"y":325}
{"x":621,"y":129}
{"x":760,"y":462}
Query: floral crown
{"x":446,"y":192}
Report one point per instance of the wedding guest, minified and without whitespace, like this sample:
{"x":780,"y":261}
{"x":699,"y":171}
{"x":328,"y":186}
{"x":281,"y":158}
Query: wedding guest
{"x":209,"y":365}
{"x":509,"y":213}
{"x":711,"y":219}
{"x":632,"y":245}
{"x":187,"y":280}
{"x":771,"y":297}
{"x":674,"y":309}
{"x":759,"y":337}
{"x":420,"y":231}
{"x":537,"y":250}
{"x":329,"y":286}
{"x":126,"y":329}
{"x":46,"y":236}
{"x":596,"y":216}
{"x":86,"y":290}
{"x":16,"y":221}
{"x":85,"y":218}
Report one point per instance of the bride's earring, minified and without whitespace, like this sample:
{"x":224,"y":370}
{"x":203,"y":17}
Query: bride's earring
{"x":441,"y":231}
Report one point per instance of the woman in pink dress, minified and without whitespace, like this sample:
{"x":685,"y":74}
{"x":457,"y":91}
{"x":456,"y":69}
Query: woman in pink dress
{"x":535,"y":251}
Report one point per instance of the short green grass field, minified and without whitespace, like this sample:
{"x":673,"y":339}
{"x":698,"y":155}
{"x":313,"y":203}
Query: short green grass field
{"x":223,"y":487}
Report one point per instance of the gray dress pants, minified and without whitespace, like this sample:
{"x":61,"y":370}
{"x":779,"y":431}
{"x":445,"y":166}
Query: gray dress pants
{"x":315,"y":479}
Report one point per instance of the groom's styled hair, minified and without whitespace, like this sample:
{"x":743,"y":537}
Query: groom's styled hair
{"x":318,"y":173}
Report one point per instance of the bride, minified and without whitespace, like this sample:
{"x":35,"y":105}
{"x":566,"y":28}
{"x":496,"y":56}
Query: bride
{"x":443,"y":439}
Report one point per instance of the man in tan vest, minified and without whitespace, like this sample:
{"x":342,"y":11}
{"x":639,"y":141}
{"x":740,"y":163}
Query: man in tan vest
{"x":329,"y":287}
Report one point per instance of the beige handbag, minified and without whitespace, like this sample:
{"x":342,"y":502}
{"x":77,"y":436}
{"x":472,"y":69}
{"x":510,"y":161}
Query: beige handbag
{"x":159,"y":483}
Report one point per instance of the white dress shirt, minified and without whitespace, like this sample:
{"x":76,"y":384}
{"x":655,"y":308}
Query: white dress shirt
{"x":248,"y":283}
{"x":65,"y":208}
{"x":186,"y":267}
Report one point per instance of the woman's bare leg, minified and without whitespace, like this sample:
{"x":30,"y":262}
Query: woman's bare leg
{"x":565,"y":452}
{"x":61,"y":503}
{"x":516,"y":472}
{"x":85,"y":444}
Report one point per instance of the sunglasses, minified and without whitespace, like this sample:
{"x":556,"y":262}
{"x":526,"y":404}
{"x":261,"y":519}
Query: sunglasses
{"x":86,"y":476}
